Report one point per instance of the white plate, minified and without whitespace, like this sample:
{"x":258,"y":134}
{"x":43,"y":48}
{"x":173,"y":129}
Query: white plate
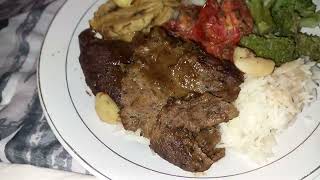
{"x":108,"y":153}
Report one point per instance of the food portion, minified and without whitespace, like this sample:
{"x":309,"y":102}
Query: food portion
{"x":185,"y":132}
{"x":283,"y":17}
{"x":218,"y":26}
{"x":277,"y":34}
{"x":123,"y":3}
{"x":114,"y":22}
{"x":283,"y":49}
{"x":106,"y":108}
{"x":166,"y":67}
{"x":163,"y":69}
{"x":260,"y":11}
{"x":267,"y":106}
{"x":279,"y":49}
{"x":162,"y":96}
{"x":291,"y":15}
{"x":247,"y":62}
{"x":103,"y":58}
{"x":196,"y":77}
{"x":308,"y":46}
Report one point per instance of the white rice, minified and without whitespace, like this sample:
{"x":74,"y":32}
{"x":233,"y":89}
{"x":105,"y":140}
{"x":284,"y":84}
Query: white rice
{"x":267,"y":105}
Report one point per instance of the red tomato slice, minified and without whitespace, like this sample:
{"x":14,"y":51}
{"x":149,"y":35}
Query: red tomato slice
{"x":218,"y":27}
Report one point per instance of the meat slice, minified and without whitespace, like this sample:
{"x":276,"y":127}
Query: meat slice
{"x":164,"y":67}
{"x":197,"y":113}
{"x":180,"y":148}
{"x":141,"y":102}
{"x":185,"y":133}
{"x":101,"y":63}
{"x":198,"y":72}
{"x":170,"y":89}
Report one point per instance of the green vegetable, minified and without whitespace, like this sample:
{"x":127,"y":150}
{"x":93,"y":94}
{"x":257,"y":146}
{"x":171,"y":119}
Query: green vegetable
{"x":279,"y":49}
{"x":312,"y":21}
{"x":283,"y":17}
{"x":290,"y":15}
{"x":259,"y":9}
{"x":308,"y":46}
{"x":305,"y":8}
{"x":283,"y":49}
{"x":278,"y":24}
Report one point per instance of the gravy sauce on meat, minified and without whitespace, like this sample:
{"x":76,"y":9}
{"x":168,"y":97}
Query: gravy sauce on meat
{"x":169,"y":89}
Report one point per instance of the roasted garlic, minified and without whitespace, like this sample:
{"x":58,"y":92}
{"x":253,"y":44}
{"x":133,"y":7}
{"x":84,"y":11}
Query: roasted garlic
{"x":107,"y":109}
{"x":247,"y":62}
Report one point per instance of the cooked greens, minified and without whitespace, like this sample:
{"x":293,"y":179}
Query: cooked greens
{"x":279,"y":49}
{"x":289,"y":15}
{"x":277,"y":29}
{"x":261,"y":14}
{"x":283,"y":17}
{"x":283,"y":49}
{"x":308,"y":46}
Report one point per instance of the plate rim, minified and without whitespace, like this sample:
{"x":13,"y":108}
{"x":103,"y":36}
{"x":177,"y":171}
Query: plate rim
{"x":77,"y":156}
